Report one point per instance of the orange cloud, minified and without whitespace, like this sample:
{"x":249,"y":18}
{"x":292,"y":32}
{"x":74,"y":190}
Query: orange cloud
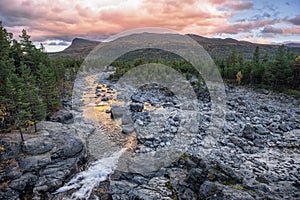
{"x":66,"y":19}
{"x":60,"y":17}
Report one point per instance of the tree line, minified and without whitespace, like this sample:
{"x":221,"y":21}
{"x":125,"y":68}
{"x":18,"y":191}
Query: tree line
{"x":31,"y":84}
{"x":277,"y":71}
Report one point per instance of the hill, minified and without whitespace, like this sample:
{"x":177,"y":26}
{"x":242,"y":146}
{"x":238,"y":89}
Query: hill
{"x":216,"y":47}
{"x":79,"y":48}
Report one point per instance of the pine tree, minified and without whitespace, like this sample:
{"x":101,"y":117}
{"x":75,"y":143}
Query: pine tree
{"x":278,"y":71}
{"x":265,"y":57}
{"x":257,"y":69}
{"x":282,"y":70}
{"x":6,"y":76}
{"x":48,"y":88}
{"x":255,"y":57}
{"x":32,"y":107}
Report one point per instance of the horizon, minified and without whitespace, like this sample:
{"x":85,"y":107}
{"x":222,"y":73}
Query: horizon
{"x":56,"y":23}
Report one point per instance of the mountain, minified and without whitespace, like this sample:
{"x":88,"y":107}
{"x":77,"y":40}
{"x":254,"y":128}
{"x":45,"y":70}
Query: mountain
{"x":293,"y":44}
{"x":216,"y":47}
{"x":79,"y":48}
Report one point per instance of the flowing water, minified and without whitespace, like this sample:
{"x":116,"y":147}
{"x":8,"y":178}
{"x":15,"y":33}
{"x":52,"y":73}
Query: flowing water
{"x":106,"y":145}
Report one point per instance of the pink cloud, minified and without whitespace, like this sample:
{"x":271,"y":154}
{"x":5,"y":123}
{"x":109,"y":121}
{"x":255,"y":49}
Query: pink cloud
{"x":239,"y":5}
{"x":46,"y":19}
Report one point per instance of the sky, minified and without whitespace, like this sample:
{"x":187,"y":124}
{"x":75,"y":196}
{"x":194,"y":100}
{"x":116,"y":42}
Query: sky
{"x":55,"y":23}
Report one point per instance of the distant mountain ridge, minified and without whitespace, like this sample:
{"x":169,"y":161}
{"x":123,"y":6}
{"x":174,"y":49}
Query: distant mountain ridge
{"x":292,"y":44}
{"x":216,"y":47}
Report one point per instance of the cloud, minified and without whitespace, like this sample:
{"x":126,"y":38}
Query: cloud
{"x":244,"y":26}
{"x":272,"y":30}
{"x":239,"y":5}
{"x":62,"y":20}
{"x":62,"y":43}
{"x":295,"y":20}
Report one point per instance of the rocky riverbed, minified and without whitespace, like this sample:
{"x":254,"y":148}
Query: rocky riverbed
{"x":256,"y":156}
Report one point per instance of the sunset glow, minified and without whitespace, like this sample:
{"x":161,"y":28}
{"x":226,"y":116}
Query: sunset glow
{"x":55,"y":23}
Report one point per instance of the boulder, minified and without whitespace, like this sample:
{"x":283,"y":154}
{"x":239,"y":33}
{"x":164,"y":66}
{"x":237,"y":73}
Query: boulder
{"x":260,"y":129}
{"x":69,"y":148}
{"x":104,"y":99}
{"x":24,"y":181}
{"x":126,"y":119}
{"x":37,"y":145}
{"x":128,"y":128}
{"x":116,"y":111}
{"x":136,"y":107}
{"x":248,"y":132}
{"x":62,"y":116}
{"x":195,"y":178}
{"x":33,"y":163}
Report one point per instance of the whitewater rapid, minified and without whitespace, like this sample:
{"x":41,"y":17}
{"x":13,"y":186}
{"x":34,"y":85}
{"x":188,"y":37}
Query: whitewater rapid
{"x":85,"y":181}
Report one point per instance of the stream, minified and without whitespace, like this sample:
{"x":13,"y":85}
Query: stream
{"x":108,"y":143}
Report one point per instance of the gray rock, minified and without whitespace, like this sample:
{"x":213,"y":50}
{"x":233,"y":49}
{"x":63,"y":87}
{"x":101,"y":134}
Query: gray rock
{"x":248,"y":132}
{"x":210,"y":190}
{"x":11,"y":149}
{"x":62,"y":116}
{"x":260,"y":129}
{"x":37,"y":145}
{"x":273,"y":127}
{"x":128,"y":128}
{"x":230,"y":116}
{"x":188,"y":194}
{"x":217,"y":191}
{"x":69,"y":148}
{"x":116,"y":111}
{"x":104,"y":99}
{"x":284,"y":127}
{"x":126,"y":119}
{"x":136,"y":107}
{"x":24,"y":181}
{"x":195,"y":178}
{"x":33,"y":163}
{"x":8,"y":193}
{"x":276,"y":118}
{"x":237,"y":141}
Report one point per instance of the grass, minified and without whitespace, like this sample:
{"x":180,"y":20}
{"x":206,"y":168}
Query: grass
{"x":294,"y":93}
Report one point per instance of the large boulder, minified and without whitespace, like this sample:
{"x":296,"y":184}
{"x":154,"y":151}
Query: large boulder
{"x":69,"y":147}
{"x":37,"y":145}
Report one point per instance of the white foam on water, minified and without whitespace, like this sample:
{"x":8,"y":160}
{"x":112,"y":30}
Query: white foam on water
{"x":85,"y":181}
